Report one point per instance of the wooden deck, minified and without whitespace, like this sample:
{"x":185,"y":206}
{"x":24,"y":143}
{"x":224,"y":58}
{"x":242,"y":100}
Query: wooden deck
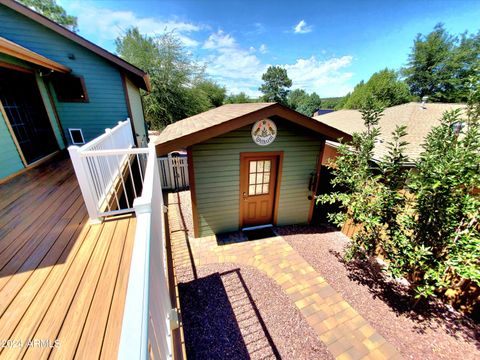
{"x":62,"y":281}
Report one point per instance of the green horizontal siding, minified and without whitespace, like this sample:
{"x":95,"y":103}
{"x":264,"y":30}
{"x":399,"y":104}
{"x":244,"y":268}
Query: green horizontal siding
{"x":106,"y":104}
{"x":9,"y":158}
{"x":217,"y":175}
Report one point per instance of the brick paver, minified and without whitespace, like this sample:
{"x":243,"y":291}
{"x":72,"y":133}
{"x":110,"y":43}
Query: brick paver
{"x":346,"y":334}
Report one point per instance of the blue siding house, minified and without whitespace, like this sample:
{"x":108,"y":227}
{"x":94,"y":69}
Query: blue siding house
{"x":58,"y":89}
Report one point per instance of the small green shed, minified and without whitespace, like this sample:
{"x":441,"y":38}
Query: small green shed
{"x":250,"y":165}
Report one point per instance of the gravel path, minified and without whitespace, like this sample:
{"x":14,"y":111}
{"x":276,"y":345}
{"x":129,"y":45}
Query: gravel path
{"x":237,"y":312}
{"x":186,"y":208}
{"x":432,"y":332}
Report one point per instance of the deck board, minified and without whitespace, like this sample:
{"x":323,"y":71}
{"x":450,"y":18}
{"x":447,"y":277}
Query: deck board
{"x":60,"y":278}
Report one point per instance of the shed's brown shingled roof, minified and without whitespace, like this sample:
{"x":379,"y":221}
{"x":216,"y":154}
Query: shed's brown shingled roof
{"x":207,"y":119}
{"x":229,"y":117}
{"x":418,"y":120}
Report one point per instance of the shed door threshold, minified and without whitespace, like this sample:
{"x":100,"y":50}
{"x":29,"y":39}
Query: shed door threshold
{"x":257,"y":227}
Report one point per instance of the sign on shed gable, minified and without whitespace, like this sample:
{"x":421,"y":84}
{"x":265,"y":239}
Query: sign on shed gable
{"x":264,"y":132}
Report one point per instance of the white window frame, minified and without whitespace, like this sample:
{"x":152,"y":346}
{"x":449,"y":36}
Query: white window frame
{"x":71,"y":136}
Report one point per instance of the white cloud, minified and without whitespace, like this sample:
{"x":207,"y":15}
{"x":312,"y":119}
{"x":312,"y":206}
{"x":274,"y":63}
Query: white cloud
{"x":105,"y":25}
{"x":262,"y":49}
{"x":259,"y":28}
{"x":235,"y":66}
{"x":239,"y":69}
{"x":302,"y":28}
{"x":326,"y":78}
{"x":219,"y":40}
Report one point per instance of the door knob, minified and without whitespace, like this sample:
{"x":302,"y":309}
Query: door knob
{"x":244,"y":195}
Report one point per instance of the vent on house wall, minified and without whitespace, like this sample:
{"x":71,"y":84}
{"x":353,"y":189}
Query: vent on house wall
{"x":76,"y":135}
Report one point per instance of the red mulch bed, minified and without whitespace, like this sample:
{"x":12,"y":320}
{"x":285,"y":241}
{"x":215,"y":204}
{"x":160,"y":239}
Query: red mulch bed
{"x":237,"y":312}
{"x":431,"y":331}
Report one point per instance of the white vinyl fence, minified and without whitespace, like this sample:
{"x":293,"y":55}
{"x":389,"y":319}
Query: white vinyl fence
{"x":110,"y":171}
{"x":174,"y":172}
{"x":148,"y":316}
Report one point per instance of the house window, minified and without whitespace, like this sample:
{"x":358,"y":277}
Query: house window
{"x":70,"y":88}
{"x":76,"y":135}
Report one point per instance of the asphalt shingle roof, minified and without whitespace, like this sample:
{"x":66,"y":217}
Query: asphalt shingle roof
{"x":226,"y":118}
{"x":208,"y":119}
{"x":418,"y":120}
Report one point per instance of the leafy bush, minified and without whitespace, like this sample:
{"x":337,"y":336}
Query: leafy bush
{"x":385,"y":86}
{"x":424,"y":222}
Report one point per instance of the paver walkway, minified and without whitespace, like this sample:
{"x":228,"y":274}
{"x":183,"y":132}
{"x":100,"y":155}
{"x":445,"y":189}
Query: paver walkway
{"x":346,"y":334}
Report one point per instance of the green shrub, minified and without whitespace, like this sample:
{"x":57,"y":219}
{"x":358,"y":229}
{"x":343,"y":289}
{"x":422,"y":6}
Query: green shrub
{"x":424,"y":222}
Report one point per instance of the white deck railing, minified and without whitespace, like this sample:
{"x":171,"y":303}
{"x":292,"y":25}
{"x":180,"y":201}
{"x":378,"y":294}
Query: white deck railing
{"x":110,"y":171}
{"x":116,"y":178}
{"x":146,"y":327}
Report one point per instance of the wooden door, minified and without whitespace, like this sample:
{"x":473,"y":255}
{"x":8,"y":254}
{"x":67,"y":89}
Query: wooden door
{"x":23,"y":105}
{"x":258,"y":184}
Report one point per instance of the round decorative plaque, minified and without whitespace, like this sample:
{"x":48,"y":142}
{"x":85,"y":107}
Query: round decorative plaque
{"x":264,"y":132}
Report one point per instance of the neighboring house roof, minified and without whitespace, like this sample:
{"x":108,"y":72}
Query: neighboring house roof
{"x":322,"y":112}
{"x":10,"y":48}
{"x":418,"y":119}
{"x":229,"y":117}
{"x":141,"y":77}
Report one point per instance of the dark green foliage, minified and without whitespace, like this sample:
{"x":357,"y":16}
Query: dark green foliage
{"x":179,"y":86}
{"x":304,"y":103}
{"x":275,"y":85}
{"x":239,"y":98}
{"x":334,"y":103}
{"x":296,"y":97}
{"x":53,"y":11}
{"x":440,"y":64}
{"x":446,"y":204}
{"x":359,"y":177}
{"x":384,"y":86}
{"x":215,"y":93}
{"x":425,"y":222}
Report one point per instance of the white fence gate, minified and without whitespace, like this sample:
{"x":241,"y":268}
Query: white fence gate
{"x":174,"y":172}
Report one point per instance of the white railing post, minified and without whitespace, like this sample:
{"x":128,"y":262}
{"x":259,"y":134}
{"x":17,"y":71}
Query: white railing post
{"x":122,"y":138}
{"x":130,"y":134}
{"x":148,"y":314}
{"x":134,"y":335}
{"x":84,"y":183}
{"x":170,"y":170}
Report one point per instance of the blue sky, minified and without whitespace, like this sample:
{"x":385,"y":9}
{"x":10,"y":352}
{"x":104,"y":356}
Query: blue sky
{"x":326,"y":46}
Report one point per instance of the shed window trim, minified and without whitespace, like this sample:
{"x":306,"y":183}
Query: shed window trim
{"x":72,"y":136}
{"x":83,"y":98}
